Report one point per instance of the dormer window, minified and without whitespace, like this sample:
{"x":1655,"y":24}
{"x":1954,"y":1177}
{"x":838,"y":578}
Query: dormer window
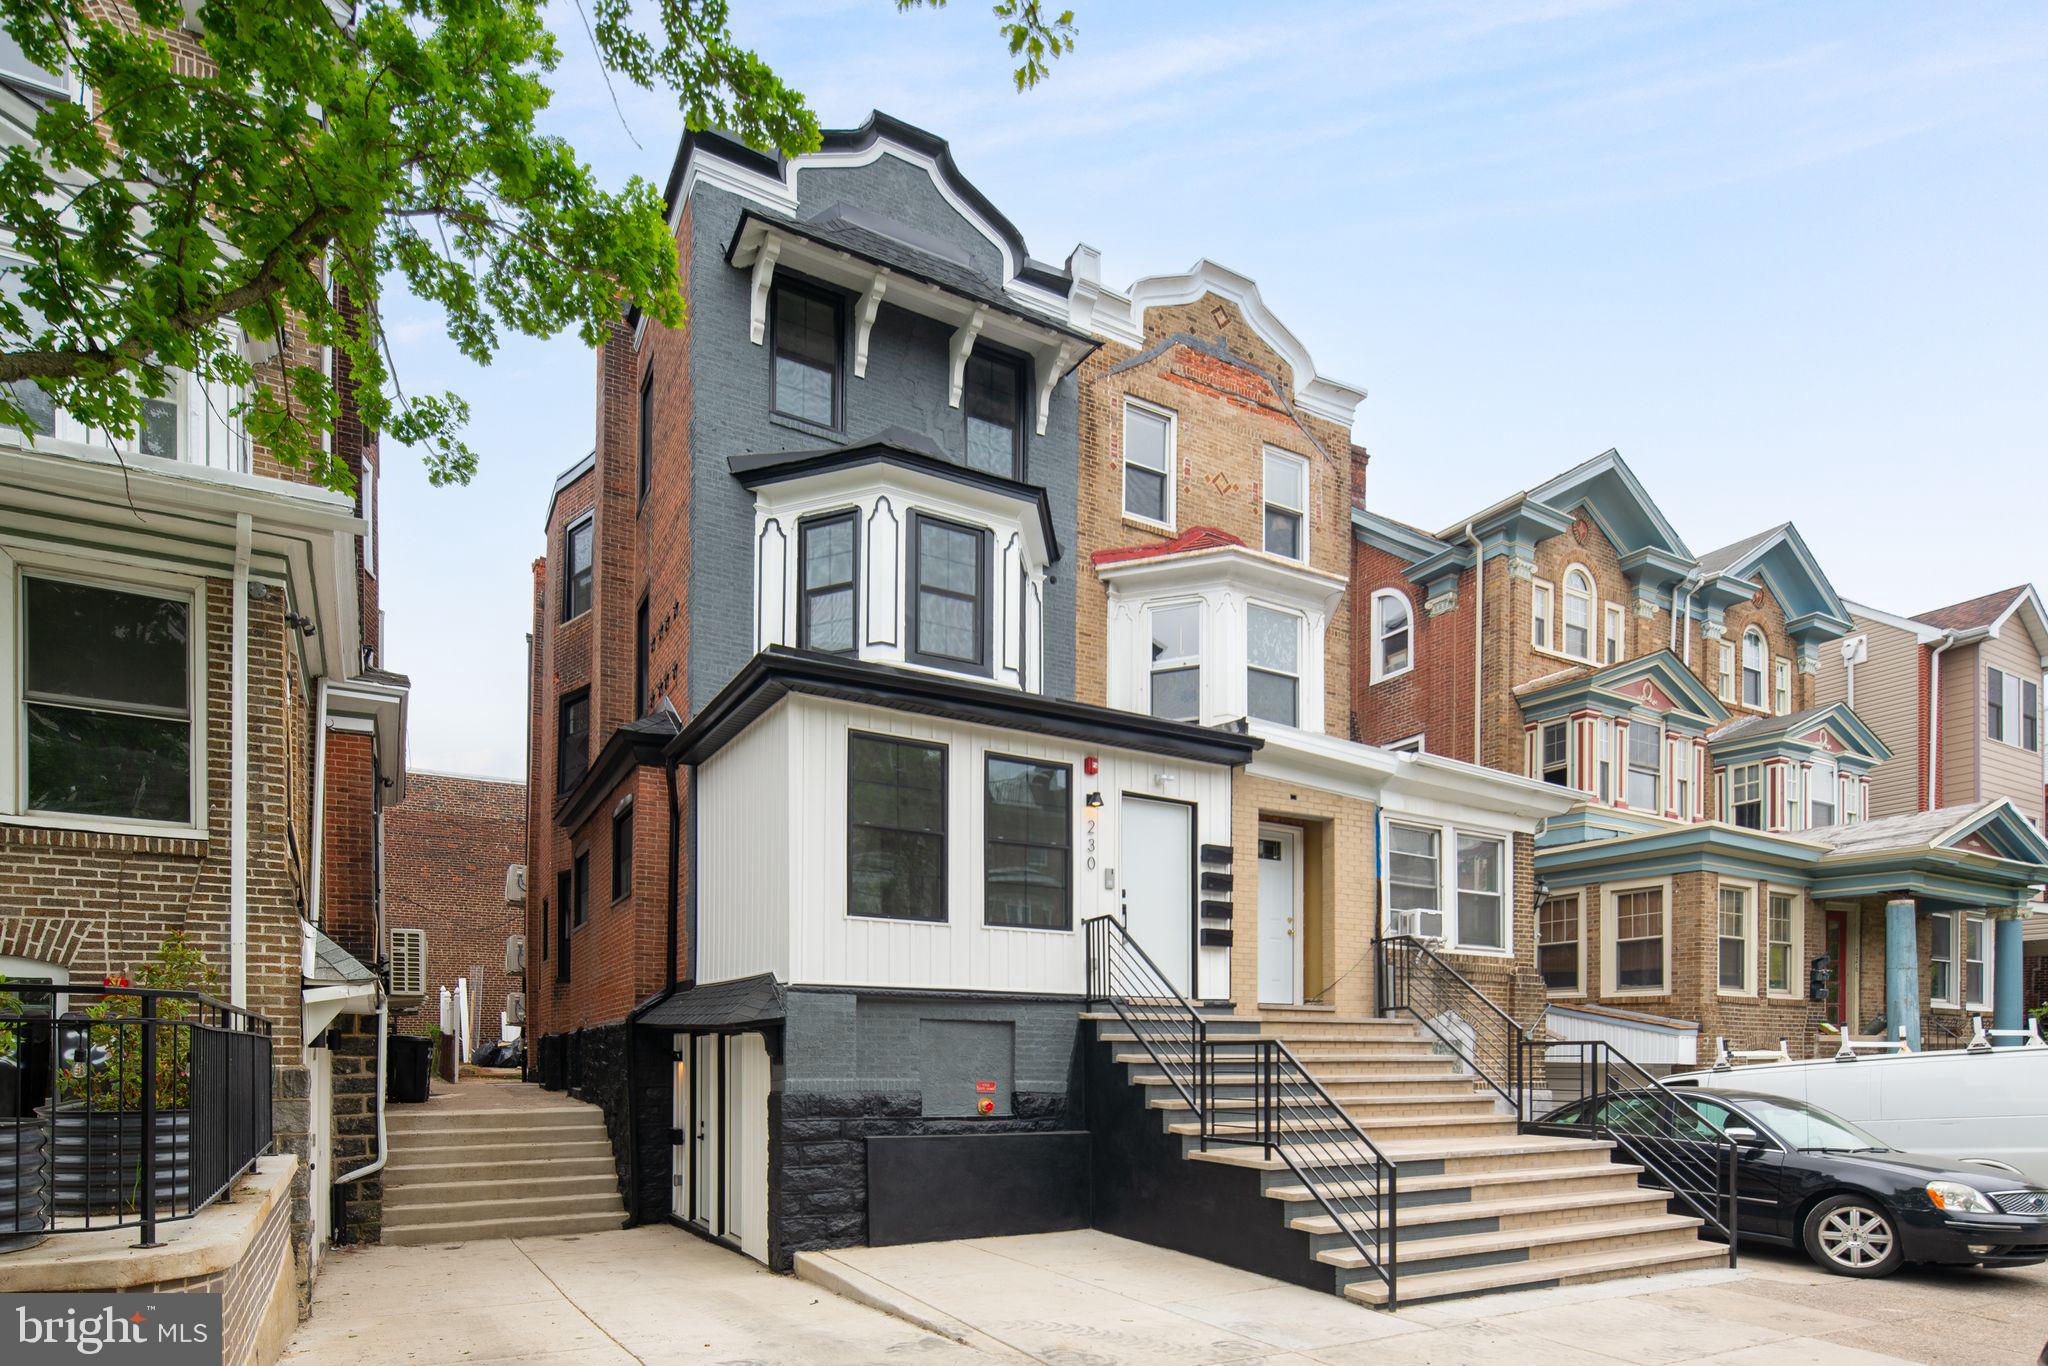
{"x":1645,"y":765}
{"x":1392,"y":655}
{"x":994,"y":405}
{"x":1821,"y":796}
{"x":1753,"y":668}
{"x":1177,"y":661}
{"x":807,"y":330}
{"x":1148,"y":463}
{"x":826,"y":562}
{"x":1556,"y":767}
{"x":949,"y":616}
{"x":1746,"y":796}
{"x":1286,"y":494}
{"x":1578,"y":614}
{"x":1273,"y":656}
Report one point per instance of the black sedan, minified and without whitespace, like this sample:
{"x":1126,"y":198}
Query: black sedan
{"x":1808,"y":1178}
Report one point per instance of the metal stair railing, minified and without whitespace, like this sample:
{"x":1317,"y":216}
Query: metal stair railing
{"x":1122,"y":976}
{"x":1362,"y":1198}
{"x":1414,"y":979}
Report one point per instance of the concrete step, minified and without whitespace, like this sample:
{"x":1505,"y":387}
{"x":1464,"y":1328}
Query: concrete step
{"x":1349,"y":1082}
{"x":471,"y":1140}
{"x":1526,"y":1150}
{"x":525,"y":1226}
{"x":419,"y":1193}
{"x":429,"y":1119}
{"x":488,"y":1167}
{"x":526,"y":1206}
{"x":1417,"y":1105}
{"x":1415,"y":1255}
{"x":1408,"y":1129}
{"x":1416,"y":1286}
{"x":523,"y":1148}
{"x":1583,"y":1177}
{"x":1516,"y":1211}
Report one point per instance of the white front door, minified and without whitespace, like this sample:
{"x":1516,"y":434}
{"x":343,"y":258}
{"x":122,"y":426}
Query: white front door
{"x":1279,"y":915}
{"x":1158,"y":875}
{"x":706,"y":1129}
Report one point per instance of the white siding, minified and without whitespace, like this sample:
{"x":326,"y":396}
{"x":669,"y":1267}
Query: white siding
{"x":770,"y":901}
{"x":743,"y":855}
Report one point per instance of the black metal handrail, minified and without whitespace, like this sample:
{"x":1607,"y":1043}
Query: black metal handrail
{"x":143,"y":1107}
{"x":1687,"y":1153}
{"x":1363,"y":1198}
{"x":1122,"y":976}
{"x":1415,"y":979}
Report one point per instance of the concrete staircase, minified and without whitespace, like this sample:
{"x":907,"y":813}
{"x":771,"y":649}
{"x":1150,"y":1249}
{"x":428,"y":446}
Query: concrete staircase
{"x":459,"y":1170}
{"x":1481,"y":1206}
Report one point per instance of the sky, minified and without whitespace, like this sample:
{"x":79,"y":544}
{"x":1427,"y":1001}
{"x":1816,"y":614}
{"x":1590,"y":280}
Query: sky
{"x":1788,"y":259}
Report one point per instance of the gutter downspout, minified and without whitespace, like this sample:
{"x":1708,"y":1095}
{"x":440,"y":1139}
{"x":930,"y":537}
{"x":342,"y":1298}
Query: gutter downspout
{"x":376,"y":1164}
{"x":1478,"y":637}
{"x":1934,"y":721}
{"x":675,"y":837}
{"x":319,"y":855}
{"x":238,"y":770}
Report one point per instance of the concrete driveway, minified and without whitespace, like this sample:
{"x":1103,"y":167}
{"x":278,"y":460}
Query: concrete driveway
{"x":1089,"y":1298}
{"x":632,"y":1295}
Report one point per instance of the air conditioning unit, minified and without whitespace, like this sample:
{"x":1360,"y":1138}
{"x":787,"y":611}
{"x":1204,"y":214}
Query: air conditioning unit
{"x":515,"y":1007}
{"x":515,"y":955}
{"x":515,"y":885}
{"x":1415,"y":924}
{"x":408,"y":968}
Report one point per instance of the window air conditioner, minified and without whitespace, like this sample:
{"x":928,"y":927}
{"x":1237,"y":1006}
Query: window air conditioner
{"x":515,"y":955}
{"x":408,"y":968}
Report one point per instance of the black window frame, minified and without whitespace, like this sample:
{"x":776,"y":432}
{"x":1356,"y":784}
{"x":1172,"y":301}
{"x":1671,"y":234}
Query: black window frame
{"x":622,"y":868}
{"x":1994,"y":704}
{"x":837,"y":302}
{"x":804,"y":590}
{"x":564,"y":895}
{"x":571,"y":575}
{"x":1019,"y":367}
{"x":579,"y":883}
{"x":564,"y":780}
{"x":643,"y":647}
{"x":983,"y":598}
{"x":989,"y":838}
{"x":646,"y":443}
{"x":2030,"y":715}
{"x":943,"y":834}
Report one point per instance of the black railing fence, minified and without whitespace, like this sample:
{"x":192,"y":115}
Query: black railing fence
{"x":1609,"y":1096}
{"x":124,"y":1107}
{"x":1250,"y":1090}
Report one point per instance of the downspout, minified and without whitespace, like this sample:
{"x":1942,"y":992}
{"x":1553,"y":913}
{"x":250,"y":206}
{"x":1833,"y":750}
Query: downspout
{"x":1478,"y":637}
{"x":313,"y":900}
{"x":1934,"y":721}
{"x":376,"y":1164}
{"x":675,"y":844}
{"x":691,"y":835}
{"x":238,"y":770}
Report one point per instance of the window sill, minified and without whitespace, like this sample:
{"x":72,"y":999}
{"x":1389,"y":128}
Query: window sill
{"x":86,"y":825}
{"x":807,"y":427}
{"x":1734,"y":994}
{"x":1549,"y":653}
{"x":1553,"y":995}
{"x":1379,"y":678}
{"x":1132,"y":519}
{"x":583,"y":615}
{"x":1022,"y":929}
{"x":1638,"y":994}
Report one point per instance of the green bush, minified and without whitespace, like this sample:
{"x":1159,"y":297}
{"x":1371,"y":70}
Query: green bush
{"x":107,"y":1071}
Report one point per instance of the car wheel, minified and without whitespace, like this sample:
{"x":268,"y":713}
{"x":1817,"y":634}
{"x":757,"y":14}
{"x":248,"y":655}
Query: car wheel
{"x":1853,"y":1235}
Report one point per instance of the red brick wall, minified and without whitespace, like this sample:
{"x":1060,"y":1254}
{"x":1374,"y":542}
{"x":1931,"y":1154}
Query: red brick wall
{"x":446,"y":849}
{"x":1434,"y":699}
{"x":348,"y":857}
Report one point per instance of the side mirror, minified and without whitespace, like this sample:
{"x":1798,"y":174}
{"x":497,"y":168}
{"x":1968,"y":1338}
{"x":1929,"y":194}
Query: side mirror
{"x":1744,"y":1137}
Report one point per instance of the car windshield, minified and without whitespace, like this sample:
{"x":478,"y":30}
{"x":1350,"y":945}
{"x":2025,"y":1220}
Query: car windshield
{"x":1810,"y":1128}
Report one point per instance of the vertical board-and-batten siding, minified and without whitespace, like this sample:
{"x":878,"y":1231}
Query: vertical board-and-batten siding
{"x":2005,"y":770}
{"x":788,"y":774}
{"x":1888,"y":701}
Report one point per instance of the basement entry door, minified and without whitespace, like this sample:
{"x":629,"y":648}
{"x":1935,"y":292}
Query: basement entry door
{"x":1158,"y":884}
{"x":720,"y":1177}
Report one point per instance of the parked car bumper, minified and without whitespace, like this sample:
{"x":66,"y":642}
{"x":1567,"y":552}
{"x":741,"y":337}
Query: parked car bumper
{"x":2011,"y":1240}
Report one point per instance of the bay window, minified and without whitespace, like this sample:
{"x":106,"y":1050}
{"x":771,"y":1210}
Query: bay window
{"x":1645,"y":765}
{"x":1027,"y":868}
{"x":1746,"y":796}
{"x":949,"y":594}
{"x":1820,"y":796}
{"x":1148,"y":463}
{"x":1176,"y":676}
{"x":1464,"y":900}
{"x":107,"y":700}
{"x":1392,"y":653}
{"x":1556,"y":760}
{"x":1560,"y":954}
{"x":1273,"y":659}
{"x":1684,"y":765}
{"x":826,"y":559}
{"x":895,"y":828}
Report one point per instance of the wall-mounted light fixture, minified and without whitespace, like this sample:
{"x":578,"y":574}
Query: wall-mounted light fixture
{"x":1093,"y":801}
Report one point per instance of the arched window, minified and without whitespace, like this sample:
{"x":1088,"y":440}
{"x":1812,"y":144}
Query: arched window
{"x":1393,"y":639}
{"x":1753,"y":668}
{"x":1578,"y":613}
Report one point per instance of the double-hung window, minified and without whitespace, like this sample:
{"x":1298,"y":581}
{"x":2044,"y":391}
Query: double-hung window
{"x":1273,"y":659}
{"x":1176,"y":676}
{"x":2030,"y":715}
{"x":1556,"y":758}
{"x":1941,"y":959}
{"x":572,"y":740}
{"x":1286,"y":499}
{"x":580,"y":890}
{"x":1578,"y":614}
{"x":1148,"y":463}
{"x":2012,"y":709}
{"x":1753,"y":653}
{"x":642,"y":659}
{"x":895,"y":828}
{"x":1392,"y":636}
{"x":1616,"y":621}
{"x":1028,"y":865}
{"x":622,"y":851}
{"x":1781,"y":686}
{"x":646,"y":430}
{"x":993,"y":401}
{"x":1724,"y":671}
{"x":1639,"y":935}
{"x":1746,"y":796}
{"x":1464,"y":903}
{"x":1415,"y":878}
{"x":1976,"y":961}
{"x":1542,"y":616}
{"x":1482,"y":923}
{"x":1820,"y":796}
{"x":578,"y":546}
{"x":825,"y":582}
{"x":1732,"y":940}
{"x":1557,"y":944}
{"x":1994,"y":704}
{"x":1683,"y":762}
{"x":1780,"y":952}
{"x":1645,"y":765}
{"x":949,"y":605}
{"x":807,"y":329}
{"x":107,"y":700}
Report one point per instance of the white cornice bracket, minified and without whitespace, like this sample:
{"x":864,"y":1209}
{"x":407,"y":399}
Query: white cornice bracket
{"x":764,"y":276}
{"x":870,"y":304}
{"x":957,"y":353}
{"x":1049,"y":379}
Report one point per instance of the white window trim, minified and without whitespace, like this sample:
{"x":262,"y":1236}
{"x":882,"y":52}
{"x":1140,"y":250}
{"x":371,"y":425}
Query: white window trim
{"x":1727,"y":673}
{"x":1831,"y":775}
{"x":1447,"y":883}
{"x":1172,"y":464}
{"x":1781,"y":685}
{"x":1750,"y":928}
{"x":1614,"y":632}
{"x":1794,"y":989}
{"x":14,"y":561}
{"x":1578,"y":895}
{"x":1548,"y":615}
{"x":1608,"y":914}
{"x":1307,"y":496}
{"x":1152,"y":666}
{"x":1564,"y":601}
{"x":367,"y":495}
{"x":1301,"y":645}
{"x":1962,"y":974}
{"x":1412,"y":744}
{"x":1953,"y":997}
{"x":1381,"y":674}
{"x":1762,"y":705}
{"x":1763,"y":797}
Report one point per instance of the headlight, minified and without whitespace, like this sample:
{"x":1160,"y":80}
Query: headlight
{"x":1953,"y":1197}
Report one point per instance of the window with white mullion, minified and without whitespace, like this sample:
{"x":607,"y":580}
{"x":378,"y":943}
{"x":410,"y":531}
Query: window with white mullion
{"x":1941,"y":959}
{"x":1645,"y":765}
{"x":1560,"y":952}
{"x":1822,"y":795}
{"x":1542,"y":615}
{"x":1273,"y":665}
{"x":1415,"y":878}
{"x":1578,"y":614}
{"x":1753,"y":657}
{"x":1732,"y":956}
{"x":1392,"y":635}
{"x":1482,"y":880}
{"x":1286,"y":505}
{"x":1781,"y":952}
{"x":1148,"y":463}
{"x":1175,"y":683}
{"x":1976,"y":961}
{"x":1554,"y":753}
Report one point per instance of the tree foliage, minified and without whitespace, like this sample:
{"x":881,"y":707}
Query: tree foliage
{"x":272,"y":163}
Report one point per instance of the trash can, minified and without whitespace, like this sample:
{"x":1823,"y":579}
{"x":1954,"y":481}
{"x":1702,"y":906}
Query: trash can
{"x":408,"y":1062}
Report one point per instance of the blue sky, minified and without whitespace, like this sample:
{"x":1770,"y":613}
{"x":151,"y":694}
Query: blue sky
{"x":1788,"y":259}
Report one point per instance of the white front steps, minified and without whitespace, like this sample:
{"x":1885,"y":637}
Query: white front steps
{"x":507,"y":1171}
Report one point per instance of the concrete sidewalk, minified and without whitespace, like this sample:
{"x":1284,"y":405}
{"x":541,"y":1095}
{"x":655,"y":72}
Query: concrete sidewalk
{"x":1088,"y":1297}
{"x":601,"y":1299}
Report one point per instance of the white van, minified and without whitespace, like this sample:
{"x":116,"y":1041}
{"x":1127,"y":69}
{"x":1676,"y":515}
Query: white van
{"x":1987,"y":1106}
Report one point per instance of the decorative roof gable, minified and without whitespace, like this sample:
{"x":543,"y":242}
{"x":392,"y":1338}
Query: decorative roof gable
{"x":1778,"y":560}
{"x":1658,"y":682}
{"x":1834,"y":730}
